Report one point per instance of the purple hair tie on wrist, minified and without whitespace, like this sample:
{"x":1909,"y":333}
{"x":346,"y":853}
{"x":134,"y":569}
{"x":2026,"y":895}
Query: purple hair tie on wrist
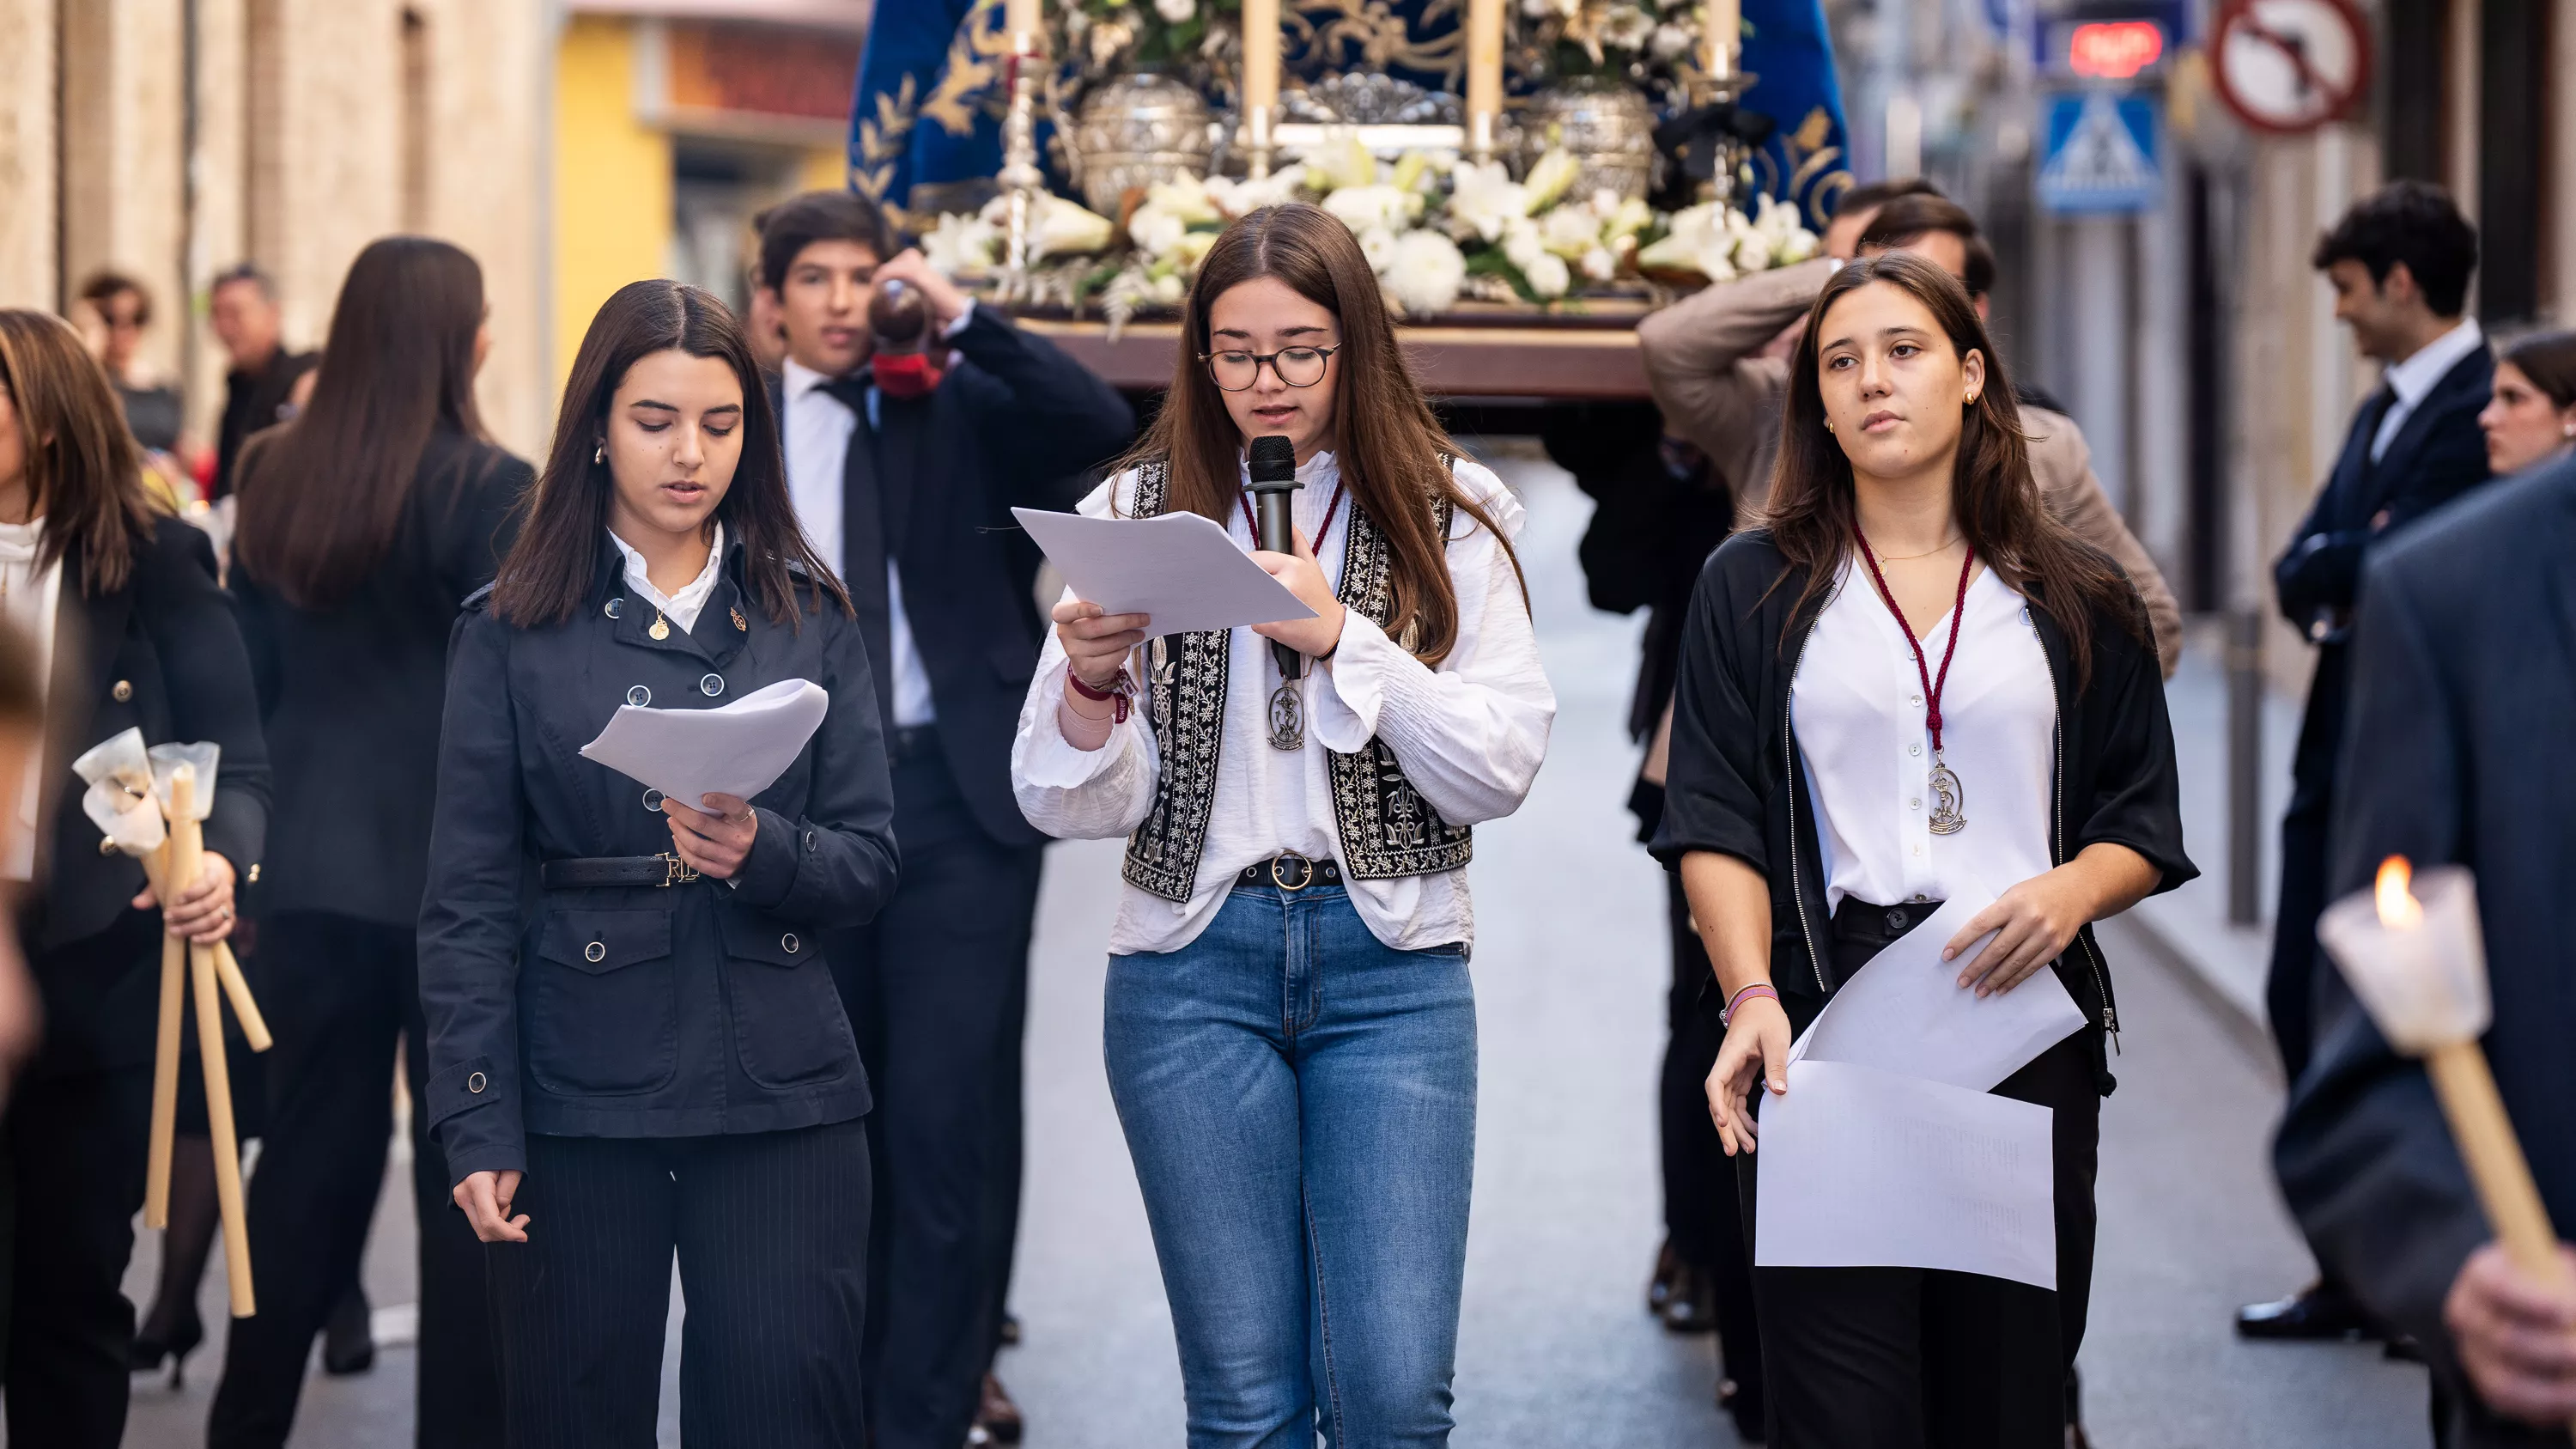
{"x":1758,"y":988}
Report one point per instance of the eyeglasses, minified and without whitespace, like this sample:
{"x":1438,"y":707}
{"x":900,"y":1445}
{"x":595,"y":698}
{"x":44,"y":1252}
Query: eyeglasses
{"x":1296,"y":366}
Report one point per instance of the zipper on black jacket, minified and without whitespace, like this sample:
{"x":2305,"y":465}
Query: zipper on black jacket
{"x":2057,"y":829}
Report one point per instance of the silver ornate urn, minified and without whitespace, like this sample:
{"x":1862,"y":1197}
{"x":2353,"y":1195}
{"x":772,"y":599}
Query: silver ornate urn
{"x":1134,"y":130}
{"x":1606,"y":126}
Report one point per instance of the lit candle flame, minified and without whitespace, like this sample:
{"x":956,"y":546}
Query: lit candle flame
{"x":2398,"y":908}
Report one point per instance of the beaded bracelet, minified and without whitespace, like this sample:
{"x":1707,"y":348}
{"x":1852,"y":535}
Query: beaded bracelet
{"x":1758,"y":988}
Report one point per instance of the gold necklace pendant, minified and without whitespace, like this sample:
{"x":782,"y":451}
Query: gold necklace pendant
{"x":1949,"y":801}
{"x":1287,"y":717}
{"x":661,"y":628}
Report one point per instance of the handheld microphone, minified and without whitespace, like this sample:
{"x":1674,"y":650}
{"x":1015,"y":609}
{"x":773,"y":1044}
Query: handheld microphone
{"x":1274,"y":476}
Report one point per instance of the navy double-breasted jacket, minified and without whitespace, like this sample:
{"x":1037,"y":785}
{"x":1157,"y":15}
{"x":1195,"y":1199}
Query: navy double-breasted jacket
{"x":693,"y":1009}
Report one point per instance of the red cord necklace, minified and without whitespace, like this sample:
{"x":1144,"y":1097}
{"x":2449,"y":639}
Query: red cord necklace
{"x":1329,"y":510}
{"x":1948,"y":800}
{"x":1287,"y":707}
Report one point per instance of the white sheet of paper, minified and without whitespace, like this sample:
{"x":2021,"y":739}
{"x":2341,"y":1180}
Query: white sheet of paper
{"x":1906,"y":1013}
{"x":736,"y":749}
{"x":1180,"y":568}
{"x":1866,"y":1169}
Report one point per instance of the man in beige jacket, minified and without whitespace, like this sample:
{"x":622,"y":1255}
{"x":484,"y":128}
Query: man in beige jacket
{"x":1720,"y":380}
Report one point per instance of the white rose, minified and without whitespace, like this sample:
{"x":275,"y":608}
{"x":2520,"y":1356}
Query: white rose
{"x":1362,"y":207}
{"x":1169,"y":289}
{"x":1569,"y":231}
{"x":1378,"y":245}
{"x":1426,"y":272}
{"x":1599,"y":265}
{"x":1548,"y":276}
{"x":1176,"y":11}
{"x":1154,"y":230}
{"x":1752,"y":252}
{"x":1521,"y":244}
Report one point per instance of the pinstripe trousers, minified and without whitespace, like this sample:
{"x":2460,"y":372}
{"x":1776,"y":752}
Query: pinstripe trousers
{"x":771,"y":1231}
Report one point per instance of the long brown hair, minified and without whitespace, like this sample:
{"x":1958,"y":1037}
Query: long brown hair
{"x":549,"y":572}
{"x":2549,"y":360}
{"x":1993,"y":494}
{"x":1391,"y":451}
{"x":84,"y":470}
{"x":322,"y":495}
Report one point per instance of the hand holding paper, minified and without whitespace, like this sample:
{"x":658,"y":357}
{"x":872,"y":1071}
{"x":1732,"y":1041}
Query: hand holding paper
{"x":1179,"y":569}
{"x":739,"y":749}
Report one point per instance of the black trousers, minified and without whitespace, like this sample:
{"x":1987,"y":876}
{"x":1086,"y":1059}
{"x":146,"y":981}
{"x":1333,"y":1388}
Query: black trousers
{"x":74,"y":1141}
{"x":339,"y":993}
{"x":770,"y":1229}
{"x":1701,"y":1214}
{"x":1914,"y":1358}
{"x":2290,"y":986}
{"x":937,"y":986}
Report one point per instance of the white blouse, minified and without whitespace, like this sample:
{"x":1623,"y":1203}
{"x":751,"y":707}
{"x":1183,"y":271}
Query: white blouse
{"x":29,"y":598}
{"x":681,"y":608}
{"x":1469,"y":733}
{"x":1857,"y":705}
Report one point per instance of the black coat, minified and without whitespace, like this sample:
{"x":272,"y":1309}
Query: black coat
{"x":1738,"y":778}
{"x":162,"y":653}
{"x":2438,"y":453}
{"x":352,"y":694}
{"x":677,"y":1011}
{"x":2464,"y":683}
{"x":1015,"y":422}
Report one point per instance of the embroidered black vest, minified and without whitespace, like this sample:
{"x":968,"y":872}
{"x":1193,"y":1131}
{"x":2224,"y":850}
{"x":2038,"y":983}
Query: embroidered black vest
{"x":1386,"y":828}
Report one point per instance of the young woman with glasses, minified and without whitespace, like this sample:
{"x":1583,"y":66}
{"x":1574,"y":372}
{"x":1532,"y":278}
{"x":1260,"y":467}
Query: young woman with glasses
{"x":1911,"y":679}
{"x":1291,"y":1035}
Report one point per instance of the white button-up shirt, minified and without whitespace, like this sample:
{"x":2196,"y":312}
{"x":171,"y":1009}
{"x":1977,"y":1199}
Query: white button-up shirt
{"x":1470,"y":734}
{"x":30,"y":594}
{"x":680,"y":608}
{"x":819,"y":432}
{"x":2412,"y":379}
{"x":1858,"y":707}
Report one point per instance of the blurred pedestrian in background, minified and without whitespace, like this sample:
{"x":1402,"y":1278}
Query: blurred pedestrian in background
{"x":259,"y":388}
{"x":1903,"y":469}
{"x":905,"y":455}
{"x":87,"y":565}
{"x":363,"y":524}
{"x":2463,"y":676}
{"x":634,"y":1048}
{"x":2531,"y":416}
{"x":118,"y":311}
{"x":2400,"y":262}
{"x":1291,"y":1029}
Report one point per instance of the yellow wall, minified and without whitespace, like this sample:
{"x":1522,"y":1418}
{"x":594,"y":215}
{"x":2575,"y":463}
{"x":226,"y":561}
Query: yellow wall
{"x":612,"y":180}
{"x":823,"y":168}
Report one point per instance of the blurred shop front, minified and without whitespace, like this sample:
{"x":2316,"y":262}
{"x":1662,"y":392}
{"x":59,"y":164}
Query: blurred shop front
{"x":675,"y":124}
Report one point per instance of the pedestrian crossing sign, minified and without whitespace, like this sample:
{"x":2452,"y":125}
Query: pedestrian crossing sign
{"x":2104,"y":153}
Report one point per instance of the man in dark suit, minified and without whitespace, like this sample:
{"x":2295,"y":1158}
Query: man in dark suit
{"x":904,"y":469}
{"x":2400,"y":261}
{"x":259,"y":386}
{"x":2463,"y":680}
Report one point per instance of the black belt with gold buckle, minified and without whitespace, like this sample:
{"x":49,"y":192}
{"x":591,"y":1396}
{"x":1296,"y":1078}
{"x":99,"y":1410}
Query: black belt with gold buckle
{"x":600,"y":872}
{"x":1290,"y":872}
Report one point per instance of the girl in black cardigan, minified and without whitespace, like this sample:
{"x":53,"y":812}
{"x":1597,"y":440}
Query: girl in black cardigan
{"x":1902,"y":509}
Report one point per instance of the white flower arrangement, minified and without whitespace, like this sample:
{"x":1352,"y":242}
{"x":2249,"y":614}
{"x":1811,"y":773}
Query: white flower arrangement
{"x":1721,"y":243}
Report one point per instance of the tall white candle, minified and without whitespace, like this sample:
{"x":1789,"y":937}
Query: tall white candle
{"x":1023,"y":17}
{"x":1484,"y":57}
{"x":1260,"y":55}
{"x":1721,"y":22}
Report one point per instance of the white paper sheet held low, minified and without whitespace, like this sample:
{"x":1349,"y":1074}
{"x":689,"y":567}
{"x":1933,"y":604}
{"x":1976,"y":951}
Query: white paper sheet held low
{"x":1861,"y":1168}
{"x":737,"y":749}
{"x":1179,"y":568}
{"x":1906,"y":1013}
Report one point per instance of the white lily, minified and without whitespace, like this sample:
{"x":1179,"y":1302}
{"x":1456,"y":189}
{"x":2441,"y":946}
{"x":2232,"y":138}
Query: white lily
{"x":1483,"y":199}
{"x":1340,"y":162}
{"x":962,"y":246}
{"x":1550,"y":178}
{"x":1548,"y":276}
{"x":1362,"y":207}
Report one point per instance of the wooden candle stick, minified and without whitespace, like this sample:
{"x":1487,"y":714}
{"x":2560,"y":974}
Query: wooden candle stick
{"x":2418,"y":964}
{"x":187,"y":847}
{"x":165,"y":1057}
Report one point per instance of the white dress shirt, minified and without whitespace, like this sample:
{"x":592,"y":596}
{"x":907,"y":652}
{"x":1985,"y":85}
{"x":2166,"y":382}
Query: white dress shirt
{"x":29,"y":598}
{"x":1469,"y":733}
{"x":818,"y":429}
{"x":1857,"y":705}
{"x":680,"y":608}
{"x":2412,"y":379}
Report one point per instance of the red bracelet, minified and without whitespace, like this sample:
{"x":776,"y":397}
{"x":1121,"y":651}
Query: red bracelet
{"x":1758,"y":988}
{"x":1116,"y":692}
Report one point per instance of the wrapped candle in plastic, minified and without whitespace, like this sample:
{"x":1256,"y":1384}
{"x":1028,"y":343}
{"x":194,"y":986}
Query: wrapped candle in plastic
{"x":203,"y":756}
{"x":2416,"y":958}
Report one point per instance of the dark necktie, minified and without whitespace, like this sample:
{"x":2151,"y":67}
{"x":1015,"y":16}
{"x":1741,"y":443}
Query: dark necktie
{"x":864,"y":541}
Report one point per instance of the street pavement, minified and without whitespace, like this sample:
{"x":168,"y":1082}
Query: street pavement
{"x":1555,"y":1349}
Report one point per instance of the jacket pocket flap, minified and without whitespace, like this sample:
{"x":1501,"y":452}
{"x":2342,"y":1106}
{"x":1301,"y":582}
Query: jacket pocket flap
{"x":767,"y":939}
{"x":598,"y":941}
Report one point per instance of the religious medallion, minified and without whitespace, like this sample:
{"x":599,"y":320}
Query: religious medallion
{"x":661,"y":628}
{"x":1287,"y":717}
{"x":1949,"y":802}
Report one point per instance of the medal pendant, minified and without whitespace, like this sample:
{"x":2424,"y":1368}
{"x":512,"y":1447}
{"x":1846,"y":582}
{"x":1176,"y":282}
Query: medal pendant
{"x":1949,"y":802}
{"x":1287,"y":717}
{"x":661,"y":628}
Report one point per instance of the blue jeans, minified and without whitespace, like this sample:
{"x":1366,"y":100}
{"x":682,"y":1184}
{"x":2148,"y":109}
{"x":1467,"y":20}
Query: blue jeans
{"x":1300,"y":1102}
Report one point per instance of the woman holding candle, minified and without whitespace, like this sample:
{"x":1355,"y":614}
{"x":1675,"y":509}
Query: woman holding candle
{"x":1911,"y":679}
{"x":1290,"y":1030}
{"x":87,"y":565}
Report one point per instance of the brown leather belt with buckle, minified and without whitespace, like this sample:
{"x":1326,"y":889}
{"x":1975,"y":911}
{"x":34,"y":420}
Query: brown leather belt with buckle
{"x":605,"y":872}
{"x":1290,"y":872}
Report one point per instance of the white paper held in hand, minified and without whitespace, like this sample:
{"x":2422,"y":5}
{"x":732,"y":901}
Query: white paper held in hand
{"x":1866,"y":1169}
{"x":1180,"y":568}
{"x":739,"y":749}
{"x":1906,"y":1013}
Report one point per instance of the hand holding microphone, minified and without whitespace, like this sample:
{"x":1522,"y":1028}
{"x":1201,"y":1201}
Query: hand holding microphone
{"x":1289,"y":557}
